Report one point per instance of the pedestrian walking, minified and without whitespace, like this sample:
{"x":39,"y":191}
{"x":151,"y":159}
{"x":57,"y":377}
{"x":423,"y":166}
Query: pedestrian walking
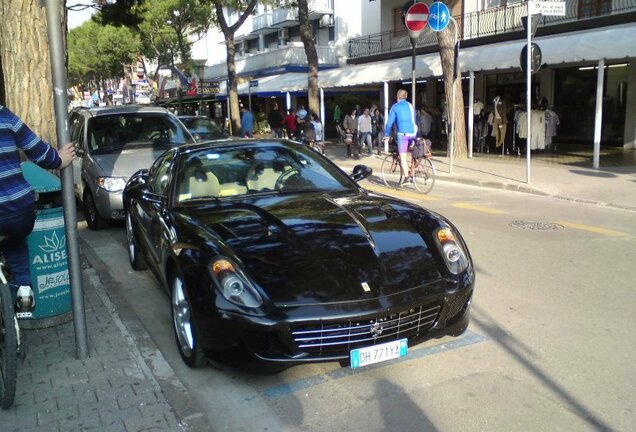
{"x":377,"y":121}
{"x":350,"y":126}
{"x":274,"y":119}
{"x":247,"y":123}
{"x":365,"y":128}
{"x":289,"y":124}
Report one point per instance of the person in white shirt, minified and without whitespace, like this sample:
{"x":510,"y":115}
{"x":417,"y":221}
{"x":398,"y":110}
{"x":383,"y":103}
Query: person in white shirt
{"x":365,"y":128}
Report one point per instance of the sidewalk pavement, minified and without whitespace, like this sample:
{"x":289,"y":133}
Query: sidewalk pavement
{"x":111,"y":390}
{"x":566,"y":175}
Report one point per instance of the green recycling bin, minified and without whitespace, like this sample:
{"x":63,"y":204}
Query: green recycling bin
{"x":47,"y":252}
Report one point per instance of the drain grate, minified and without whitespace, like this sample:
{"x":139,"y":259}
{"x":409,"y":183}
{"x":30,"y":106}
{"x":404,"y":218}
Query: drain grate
{"x":536,"y":226}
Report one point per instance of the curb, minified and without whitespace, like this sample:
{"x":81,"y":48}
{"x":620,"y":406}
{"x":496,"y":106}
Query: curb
{"x":499,"y":185}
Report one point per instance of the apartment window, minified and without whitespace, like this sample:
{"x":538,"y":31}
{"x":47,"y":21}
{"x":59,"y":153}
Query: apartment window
{"x":398,"y":25}
{"x":593,"y":8}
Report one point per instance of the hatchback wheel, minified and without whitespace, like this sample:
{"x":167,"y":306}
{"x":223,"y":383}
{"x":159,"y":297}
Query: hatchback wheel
{"x":93,"y":219}
{"x":184,"y":327}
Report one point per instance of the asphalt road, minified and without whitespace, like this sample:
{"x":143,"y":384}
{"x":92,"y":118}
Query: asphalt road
{"x":550,"y":346}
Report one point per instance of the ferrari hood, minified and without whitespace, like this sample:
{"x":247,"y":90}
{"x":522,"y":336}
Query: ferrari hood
{"x":319,"y":249}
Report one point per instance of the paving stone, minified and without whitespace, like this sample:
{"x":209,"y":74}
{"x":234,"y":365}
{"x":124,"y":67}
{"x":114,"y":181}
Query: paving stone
{"x":108,"y":391}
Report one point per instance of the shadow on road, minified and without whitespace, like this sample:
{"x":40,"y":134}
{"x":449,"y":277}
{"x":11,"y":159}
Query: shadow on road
{"x":523,"y":354}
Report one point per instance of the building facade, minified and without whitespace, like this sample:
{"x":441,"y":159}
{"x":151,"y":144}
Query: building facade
{"x":365,"y":51}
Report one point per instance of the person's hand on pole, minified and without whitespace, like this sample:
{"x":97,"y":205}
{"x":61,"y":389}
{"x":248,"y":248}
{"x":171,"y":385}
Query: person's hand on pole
{"x":67,"y":154}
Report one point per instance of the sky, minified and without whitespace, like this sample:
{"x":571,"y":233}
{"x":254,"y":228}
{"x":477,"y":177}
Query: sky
{"x":77,"y":18}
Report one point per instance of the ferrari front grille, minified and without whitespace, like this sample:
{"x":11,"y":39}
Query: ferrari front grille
{"x":334,"y":337}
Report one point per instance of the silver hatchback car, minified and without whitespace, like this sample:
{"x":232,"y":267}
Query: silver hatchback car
{"x":113,"y":143}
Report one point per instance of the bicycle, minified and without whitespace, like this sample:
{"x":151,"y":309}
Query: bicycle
{"x":9,"y":342}
{"x":421,"y":170}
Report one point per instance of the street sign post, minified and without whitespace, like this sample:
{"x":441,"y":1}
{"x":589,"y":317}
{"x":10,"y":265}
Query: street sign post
{"x":548,"y":8}
{"x":438,"y":17}
{"x":416,"y":18}
{"x":535,"y":58}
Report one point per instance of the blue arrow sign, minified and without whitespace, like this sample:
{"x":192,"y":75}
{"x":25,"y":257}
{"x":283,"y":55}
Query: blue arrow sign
{"x":438,"y":16}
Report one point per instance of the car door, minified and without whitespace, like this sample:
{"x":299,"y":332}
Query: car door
{"x":153,"y":213}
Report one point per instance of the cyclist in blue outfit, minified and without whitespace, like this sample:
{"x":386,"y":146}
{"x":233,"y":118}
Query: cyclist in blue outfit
{"x":17,"y":212}
{"x":402,"y":114}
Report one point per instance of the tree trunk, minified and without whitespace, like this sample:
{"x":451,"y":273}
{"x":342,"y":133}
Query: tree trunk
{"x":312,"y":57}
{"x":232,"y":92}
{"x":446,"y":40}
{"x":26,"y":67}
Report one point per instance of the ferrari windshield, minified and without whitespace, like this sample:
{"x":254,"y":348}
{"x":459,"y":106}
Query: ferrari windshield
{"x":264,"y":168}
{"x":112,"y":133}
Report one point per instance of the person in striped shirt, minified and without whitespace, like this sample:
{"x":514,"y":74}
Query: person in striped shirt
{"x":17,"y":199}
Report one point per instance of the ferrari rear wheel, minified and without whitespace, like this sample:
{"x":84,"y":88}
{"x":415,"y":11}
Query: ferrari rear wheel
{"x":184,"y":328}
{"x":137,"y":261}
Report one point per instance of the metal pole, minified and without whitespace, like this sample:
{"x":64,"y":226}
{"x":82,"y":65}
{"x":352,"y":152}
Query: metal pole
{"x":598,"y":121}
{"x":322,"y":109}
{"x":413,"y":40}
{"x":471,"y":111}
{"x":385,"y":87}
{"x":249,"y":93}
{"x":452,"y":131}
{"x":56,"y":53}
{"x":288,"y":101}
{"x":529,"y":88}
{"x":227,"y":102}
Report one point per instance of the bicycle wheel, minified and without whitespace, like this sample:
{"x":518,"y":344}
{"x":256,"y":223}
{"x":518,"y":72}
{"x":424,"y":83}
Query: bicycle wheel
{"x":424,"y":175}
{"x":8,"y":348}
{"x":391,"y":173}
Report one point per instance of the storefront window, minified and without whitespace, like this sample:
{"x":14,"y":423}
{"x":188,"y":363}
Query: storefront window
{"x":575,"y":102}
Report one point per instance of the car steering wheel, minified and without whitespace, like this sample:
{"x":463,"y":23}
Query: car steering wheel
{"x":284,"y":177}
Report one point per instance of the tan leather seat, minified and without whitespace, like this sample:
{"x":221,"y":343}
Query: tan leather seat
{"x":200,"y":183}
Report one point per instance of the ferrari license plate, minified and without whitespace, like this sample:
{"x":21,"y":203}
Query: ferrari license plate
{"x":378,"y":353}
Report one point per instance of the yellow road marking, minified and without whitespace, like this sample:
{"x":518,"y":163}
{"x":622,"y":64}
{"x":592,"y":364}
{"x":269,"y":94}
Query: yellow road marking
{"x":473,"y":207}
{"x":402,"y":193}
{"x":597,"y":230}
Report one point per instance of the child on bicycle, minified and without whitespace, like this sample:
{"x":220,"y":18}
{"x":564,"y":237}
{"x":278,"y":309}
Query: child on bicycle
{"x":17,"y":212}
{"x":402,"y":114}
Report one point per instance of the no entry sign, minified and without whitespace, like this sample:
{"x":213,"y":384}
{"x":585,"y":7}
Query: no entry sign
{"x":416,"y":17}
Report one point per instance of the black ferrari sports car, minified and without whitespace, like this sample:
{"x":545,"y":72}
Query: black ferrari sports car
{"x":273,"y":256}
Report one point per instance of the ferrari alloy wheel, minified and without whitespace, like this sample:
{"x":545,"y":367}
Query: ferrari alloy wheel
{"x":184,"y":327}
{"x":137,"y":261}
{"x":93,"y":219}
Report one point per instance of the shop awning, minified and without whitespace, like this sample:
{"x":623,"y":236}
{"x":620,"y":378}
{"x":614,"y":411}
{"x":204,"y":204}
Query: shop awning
{"x":610,"y":43}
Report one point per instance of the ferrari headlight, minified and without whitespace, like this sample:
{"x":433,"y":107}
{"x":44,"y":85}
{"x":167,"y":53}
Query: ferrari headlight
{"x":454,"y":256}
{"x":111,"y":184}
{"x":234,"y":284}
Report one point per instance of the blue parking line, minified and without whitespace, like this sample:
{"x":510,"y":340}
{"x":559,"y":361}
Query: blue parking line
{"x":469,"y":338}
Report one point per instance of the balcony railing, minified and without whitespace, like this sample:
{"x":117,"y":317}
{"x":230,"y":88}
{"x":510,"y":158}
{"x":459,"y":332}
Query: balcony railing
{"x":290,"y":55}
{"x":320,"y":7}
{"x":282,"y":15}
{"x":488,"y":22}
{"x":263,"y":21}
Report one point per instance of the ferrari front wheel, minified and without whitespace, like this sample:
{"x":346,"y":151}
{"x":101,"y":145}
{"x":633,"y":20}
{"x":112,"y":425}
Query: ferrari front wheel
{"x":184,"y":328}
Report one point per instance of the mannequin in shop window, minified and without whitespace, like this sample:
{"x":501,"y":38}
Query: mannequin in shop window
{"x":478,"y":124}
{"x":500,"y":124}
